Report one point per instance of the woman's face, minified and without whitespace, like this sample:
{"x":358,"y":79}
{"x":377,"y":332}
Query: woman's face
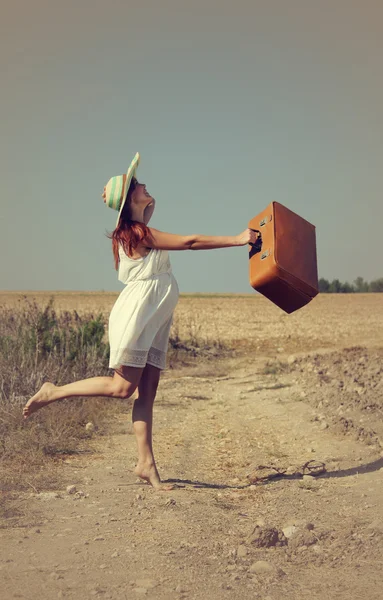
{"x":140,"y":195}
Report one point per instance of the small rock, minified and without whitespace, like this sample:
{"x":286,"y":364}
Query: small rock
{"x":99,"y":538}
{"x":142,"y":591}
{"x":71,"y":489}
{"x":79,"y":494}
{"x":323,"y":426}
{"x":289,"y":531}
{"x":180,"y":589}
{"x":103,"y":566}
{"x":89,"y":427}
{"x":114,"y":555}
{"x":241,"y":551}
{"x":261,"y":567}
{"x":291,"y":470}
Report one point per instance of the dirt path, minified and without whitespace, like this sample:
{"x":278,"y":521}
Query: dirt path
{"x":118,"y":539}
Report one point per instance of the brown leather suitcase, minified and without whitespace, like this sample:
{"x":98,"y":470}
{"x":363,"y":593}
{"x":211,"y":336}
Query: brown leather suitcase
{"x":283,"y":261}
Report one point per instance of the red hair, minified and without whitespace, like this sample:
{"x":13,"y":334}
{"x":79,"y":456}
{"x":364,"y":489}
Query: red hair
{"x":128,"y":233}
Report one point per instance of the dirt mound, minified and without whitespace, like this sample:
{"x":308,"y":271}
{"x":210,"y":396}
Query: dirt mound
{"x":346,"y":387}
{"x":266,"y":537}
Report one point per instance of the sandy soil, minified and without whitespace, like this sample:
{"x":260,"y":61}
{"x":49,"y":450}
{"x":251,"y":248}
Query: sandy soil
{"x":232,"y":529}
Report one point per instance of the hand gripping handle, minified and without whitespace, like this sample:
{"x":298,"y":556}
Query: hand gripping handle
{"x":257,"y":246}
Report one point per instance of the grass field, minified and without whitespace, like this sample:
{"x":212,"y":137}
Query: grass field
{"x":245,"y":320}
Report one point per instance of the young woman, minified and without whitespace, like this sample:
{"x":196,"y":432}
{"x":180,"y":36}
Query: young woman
{"x":140,"y":320}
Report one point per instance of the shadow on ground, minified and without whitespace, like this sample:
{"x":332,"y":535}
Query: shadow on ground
{"x":376,"y":465}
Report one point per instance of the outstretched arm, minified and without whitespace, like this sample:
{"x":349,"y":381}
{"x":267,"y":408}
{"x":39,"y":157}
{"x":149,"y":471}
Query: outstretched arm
{"x":172,"y":241}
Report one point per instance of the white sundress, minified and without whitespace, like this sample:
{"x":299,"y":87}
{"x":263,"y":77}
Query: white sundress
{"x":140,"y":320}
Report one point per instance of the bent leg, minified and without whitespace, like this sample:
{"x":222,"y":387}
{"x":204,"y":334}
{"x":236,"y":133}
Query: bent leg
{"x":121,"y":385}
{"x":142,"y":417}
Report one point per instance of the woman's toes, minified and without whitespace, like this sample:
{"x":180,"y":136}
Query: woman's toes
{"x":42,"y":398}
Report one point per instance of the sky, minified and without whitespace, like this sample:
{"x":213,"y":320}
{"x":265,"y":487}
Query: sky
{"x":232,"y":105}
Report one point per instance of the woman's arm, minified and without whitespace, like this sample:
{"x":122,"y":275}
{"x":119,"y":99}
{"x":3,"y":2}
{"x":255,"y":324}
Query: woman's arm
{"x":172,"y":241}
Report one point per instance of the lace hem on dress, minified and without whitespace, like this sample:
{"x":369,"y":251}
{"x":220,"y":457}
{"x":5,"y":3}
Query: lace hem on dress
{"x":157,"y":358}
{"x":129,"y":358}
{"x":138,"y":358}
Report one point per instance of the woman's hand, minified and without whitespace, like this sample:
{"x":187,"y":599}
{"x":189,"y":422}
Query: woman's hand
{"x":247,"y":237}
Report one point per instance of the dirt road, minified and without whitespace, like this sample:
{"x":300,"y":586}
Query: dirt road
{"x":219,"y":536}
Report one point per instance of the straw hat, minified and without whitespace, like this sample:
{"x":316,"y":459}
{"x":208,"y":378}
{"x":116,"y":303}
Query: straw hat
{"x":117,"y":187}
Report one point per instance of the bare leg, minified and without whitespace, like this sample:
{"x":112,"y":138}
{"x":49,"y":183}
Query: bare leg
{"x":142,"y":417}
{"x":119,"y":386}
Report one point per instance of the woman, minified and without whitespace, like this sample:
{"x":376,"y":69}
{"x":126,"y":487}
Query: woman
{"x":140,"y":320}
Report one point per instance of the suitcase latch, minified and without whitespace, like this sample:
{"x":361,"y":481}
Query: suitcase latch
{"x":265,"y":221}
{"x":265,"y":254}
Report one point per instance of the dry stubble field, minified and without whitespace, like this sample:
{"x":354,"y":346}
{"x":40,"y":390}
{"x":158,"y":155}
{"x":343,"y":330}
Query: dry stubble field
{"x":298,"y":388}
{"x":248,"y":320}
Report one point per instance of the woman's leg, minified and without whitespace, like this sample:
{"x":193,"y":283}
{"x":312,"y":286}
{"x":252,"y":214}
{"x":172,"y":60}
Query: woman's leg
{"x":142,"y":417}
{"x":121,"y":385}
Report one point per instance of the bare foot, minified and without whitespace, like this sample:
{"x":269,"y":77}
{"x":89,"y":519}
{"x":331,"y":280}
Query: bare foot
{"x":149,"y":473}
{"x":42,"y":398}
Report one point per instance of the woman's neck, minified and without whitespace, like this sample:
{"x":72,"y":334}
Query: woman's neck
{"x":142,"y":214}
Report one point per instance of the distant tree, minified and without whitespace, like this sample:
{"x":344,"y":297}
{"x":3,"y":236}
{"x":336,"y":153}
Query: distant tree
{"x":376,"y":285}
{"x":346,"y":288}
{"x":324,"y":285}
{"x":361,"y":286}
{"x":335,"y":287}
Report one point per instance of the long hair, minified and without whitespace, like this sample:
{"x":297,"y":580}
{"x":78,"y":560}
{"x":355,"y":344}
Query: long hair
{"x":128,"y":233}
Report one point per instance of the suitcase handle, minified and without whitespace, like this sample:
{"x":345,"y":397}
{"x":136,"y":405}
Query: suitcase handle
{"x":257,"y":247}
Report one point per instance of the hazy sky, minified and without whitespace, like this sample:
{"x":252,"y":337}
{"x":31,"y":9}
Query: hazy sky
{"x":230,"y":104}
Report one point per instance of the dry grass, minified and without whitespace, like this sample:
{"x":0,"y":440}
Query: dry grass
{"x":39,"y":343}
{"x":244,"y":321}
